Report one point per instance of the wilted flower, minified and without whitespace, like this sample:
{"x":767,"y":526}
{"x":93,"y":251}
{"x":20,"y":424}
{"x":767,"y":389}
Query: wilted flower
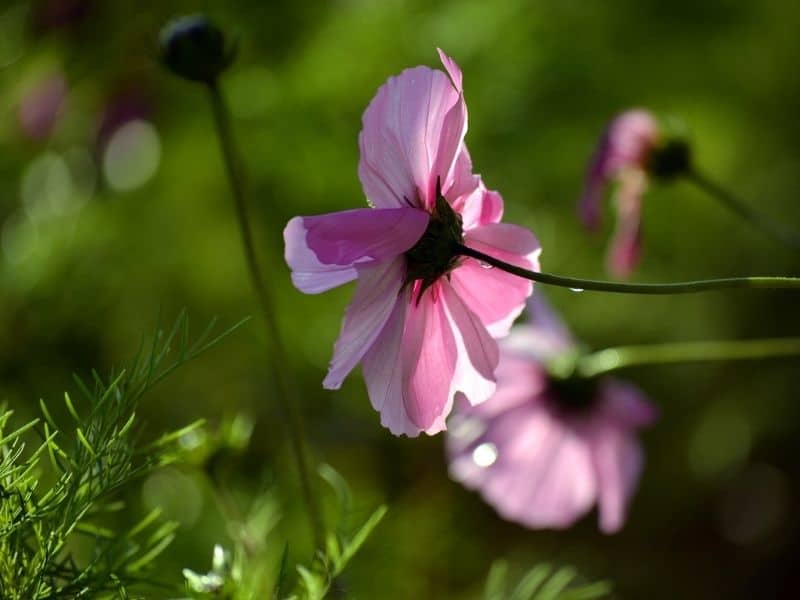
{"x":542,"y":451}
{"x":422,"y":318}
{"x":622,"y":158}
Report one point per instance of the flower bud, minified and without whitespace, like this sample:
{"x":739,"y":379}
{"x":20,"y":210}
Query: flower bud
{"x":194,"y":48}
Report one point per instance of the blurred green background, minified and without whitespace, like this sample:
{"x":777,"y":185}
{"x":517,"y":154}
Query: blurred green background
{"x":114,"y":209}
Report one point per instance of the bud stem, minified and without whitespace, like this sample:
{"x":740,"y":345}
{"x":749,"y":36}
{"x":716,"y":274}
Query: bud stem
{"x":287,"y":398}
{"x":684,"y":287}
{"x":767,"y":225}
{"x":612,"y":359}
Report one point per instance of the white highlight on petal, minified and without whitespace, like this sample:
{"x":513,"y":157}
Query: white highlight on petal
{"x":485,"y":455}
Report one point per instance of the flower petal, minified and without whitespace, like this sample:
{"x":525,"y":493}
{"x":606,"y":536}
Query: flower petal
{"x":376,"y":295}
{"x":543,"y":475}
{"x":626,"y":404}
{"x":322,"y":250}
{"x":497,"y":297}
{"x":479,"y":207}
{"x":383,"y":372}
{"x":414,"y":124}
{"x":429,"y":361}
{"x":626,"y":245}
{"x":476,"y":351}
{"x":618,"y":460}
{"x":452,"y":69}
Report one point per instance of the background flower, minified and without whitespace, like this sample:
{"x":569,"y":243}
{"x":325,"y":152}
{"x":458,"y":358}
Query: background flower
{"x":543,"y":451}
{"x":621,"y":159}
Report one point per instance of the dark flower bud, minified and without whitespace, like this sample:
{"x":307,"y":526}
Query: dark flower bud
{"x":194,"y":48}
{"x":670,"y":159}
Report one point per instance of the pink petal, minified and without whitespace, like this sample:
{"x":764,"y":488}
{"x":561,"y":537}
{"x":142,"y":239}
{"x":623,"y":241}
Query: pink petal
{"x":626,"y":404}
{"x":411,"y":135}
{"x":625,"y":250}
{"x":346,"y":237}
{"x":477,"y":353}
{"x":480,"y":207}
{"x":376,"y":296}
{"x":543,"y":476}
{"x":383,"y":372}
{"x":309,"y":275}
{"x":625,"y":145}
{"x":464,"y":182}
{"x":322,"y":250}
{"x":497,"y":297}
{"x":452,"y":69}
{"x":619,"y":460}
{"x":429,"y":360}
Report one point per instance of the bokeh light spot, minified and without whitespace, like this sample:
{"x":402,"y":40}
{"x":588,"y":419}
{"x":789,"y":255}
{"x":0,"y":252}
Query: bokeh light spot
{"x":132,"y":155}
{"x":720,"y":442}
{"x":485,"y":455}
{"x":47,"y":187}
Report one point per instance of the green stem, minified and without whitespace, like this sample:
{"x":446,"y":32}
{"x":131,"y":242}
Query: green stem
{"x":767,"y":225}
{"x":287,"y":399}
{"x":611,"y":359}
{"x":684,"y":287}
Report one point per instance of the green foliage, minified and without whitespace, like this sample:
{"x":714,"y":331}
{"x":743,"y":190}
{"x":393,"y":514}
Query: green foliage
{"x":242,"y":574}
{"x":542,"y":582}
{"x":57,"y":533}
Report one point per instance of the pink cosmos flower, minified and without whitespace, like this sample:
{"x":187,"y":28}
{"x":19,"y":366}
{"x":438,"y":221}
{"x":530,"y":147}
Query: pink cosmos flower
{"x":621,"y":157}
{"x":541,"y":451}
{"x":422,"y":319}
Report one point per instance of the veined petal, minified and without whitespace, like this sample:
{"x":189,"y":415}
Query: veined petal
{"x":429,"y":360}
{"x":476,"y":351}
{"x":413,"y":126}
{"x":453,"y":70}
{"x":383,"y":372}
{"x":376,"y":296}
{"x":481,"y":207}
{"x":497,"y":297}
{"x":322,"y":251}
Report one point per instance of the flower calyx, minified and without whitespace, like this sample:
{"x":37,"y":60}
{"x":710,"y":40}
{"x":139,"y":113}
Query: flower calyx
{"x":670,"y":159}
{"x":436,"y":252}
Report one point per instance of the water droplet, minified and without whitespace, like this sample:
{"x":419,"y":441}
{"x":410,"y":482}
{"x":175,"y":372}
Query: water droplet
{"x":577,"y":290}
{"x":485,"y":455}
{"x":486,"y":265}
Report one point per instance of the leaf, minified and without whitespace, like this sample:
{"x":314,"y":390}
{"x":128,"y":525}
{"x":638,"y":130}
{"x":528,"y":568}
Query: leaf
{"x":496,"y":581}
{"x":530,"y":582}
{"x":355,"y":543}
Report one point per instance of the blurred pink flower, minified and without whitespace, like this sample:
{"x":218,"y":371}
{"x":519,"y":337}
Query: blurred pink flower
{"x":42,"y":105}
{"x":422,"y":320}
{"x":621,"y":158}
{"x":543,"y":451}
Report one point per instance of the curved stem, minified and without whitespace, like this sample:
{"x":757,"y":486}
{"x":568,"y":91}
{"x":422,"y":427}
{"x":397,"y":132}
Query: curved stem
{"x":685,"y":287}
{"x":767,"y":225}
{"x":287,"y":399}
{"x":611,"y":359}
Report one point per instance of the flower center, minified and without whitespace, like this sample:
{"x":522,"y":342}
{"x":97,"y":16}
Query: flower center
{"x":572,"y":395}
{"x":435,"y":254}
